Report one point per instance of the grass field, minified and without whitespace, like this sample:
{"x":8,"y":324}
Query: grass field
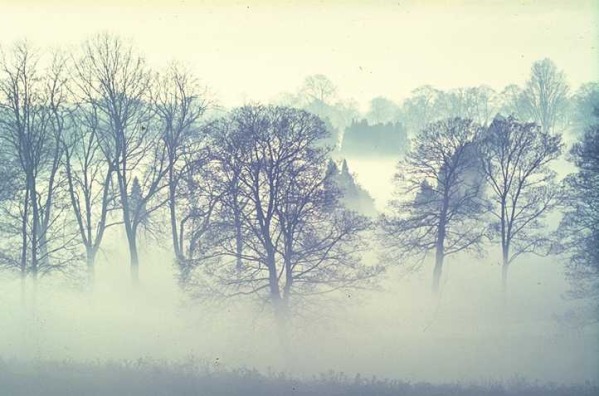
{"x":192,"y":378}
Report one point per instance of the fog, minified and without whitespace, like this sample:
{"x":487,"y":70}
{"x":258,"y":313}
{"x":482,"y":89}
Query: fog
{"x":324,"y":66}
{"x":471,"y":332}
{"x":360,"y":46}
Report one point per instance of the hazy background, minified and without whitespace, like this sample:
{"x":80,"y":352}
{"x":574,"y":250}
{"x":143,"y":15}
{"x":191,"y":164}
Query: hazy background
{"x":254,"y":51}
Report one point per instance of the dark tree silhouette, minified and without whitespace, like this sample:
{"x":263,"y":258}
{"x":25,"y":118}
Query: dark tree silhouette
{"x":33,"y":119}
{"x":296,"y":238}
{"x":515,"y":159}
{"x":115,"y":80}
{"x":364,"y":139}
{"x":441,"y":203}
{"x":583,"y":104}
{"x":580,"y":224}
{"x":89,"y":181}
{"x":179,"y":105}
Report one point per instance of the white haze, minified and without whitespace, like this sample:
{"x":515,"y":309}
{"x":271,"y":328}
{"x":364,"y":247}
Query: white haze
{"x":398,"y":330}
{"x":248,"y":51}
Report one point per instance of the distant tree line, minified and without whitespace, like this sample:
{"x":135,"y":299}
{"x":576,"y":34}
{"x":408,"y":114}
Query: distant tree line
{"x":479,"y":166}
{"x":545,"y":99}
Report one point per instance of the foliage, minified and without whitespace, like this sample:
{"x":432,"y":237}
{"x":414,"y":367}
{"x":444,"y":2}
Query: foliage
{"x":580,"y":225}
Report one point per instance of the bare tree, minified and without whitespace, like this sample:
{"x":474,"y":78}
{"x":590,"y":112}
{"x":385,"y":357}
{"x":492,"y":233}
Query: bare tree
{"x":511,"y":102}
{"x":115,"y":80}
{"x":179,"y":106}
{"x":441,"y":194}
{"x":382,"y":110}
{"x":515,"y":158}
{"x":545,"y":97}
{"x":199,"y":194}
{"x":319,"y":88}
{"x":34,"y":114}
{"x":225,"y":172}
{"x":317,"y":96}
{"x":474,"y":103}
{"x":296,"y":237}
{"x":89,"y":178}
{"x":422,"y":108}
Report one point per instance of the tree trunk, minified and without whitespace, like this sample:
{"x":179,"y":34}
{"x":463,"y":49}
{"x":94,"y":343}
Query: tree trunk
{"x":134,"y":258}
{"x":238,"y":243}
{"x":504,"y":267}
{"x":504,"y":271}
{"x":23,"y":290}
{"x":130,"y":226}
{"x":173,"y":214}
{"x":237,"y":220}
{"x":35,"y":222}
{"x":279,"y":306}
{"x":91,"y":267}
{"x":24,"y":243}
{"x":34,"y":278}
{"x":281,"y":316}
{"x":440,"y":248}
{"x":438,"y":270}
{"x":288,"y":268}
{"x":280,"y":310}
{"x":273,"y":281}
{"x":44,"y":260}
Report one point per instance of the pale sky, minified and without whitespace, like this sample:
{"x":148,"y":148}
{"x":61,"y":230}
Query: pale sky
{"x":246,"y":50}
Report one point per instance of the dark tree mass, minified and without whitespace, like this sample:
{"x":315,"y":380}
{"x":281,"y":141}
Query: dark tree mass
{"x":362,"y":138}
{"x":580,"y":224}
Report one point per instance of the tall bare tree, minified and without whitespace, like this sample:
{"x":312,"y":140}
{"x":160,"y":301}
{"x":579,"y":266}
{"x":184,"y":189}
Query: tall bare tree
{"x":318,"y":88}
{"x":115,"y":80}
{"x":89,"y":177}
{"x":382,"y":110}
{"x":297,"y":238}
{"x":441,"y":202}
{"x":511,"y":102}
{"x":515,"y":159}
{"x":474,"y":103}
{"x":34,"y":114}
{"x":179,"y":105}
{"x":422,"y":108}
{"x":545,"y":97}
